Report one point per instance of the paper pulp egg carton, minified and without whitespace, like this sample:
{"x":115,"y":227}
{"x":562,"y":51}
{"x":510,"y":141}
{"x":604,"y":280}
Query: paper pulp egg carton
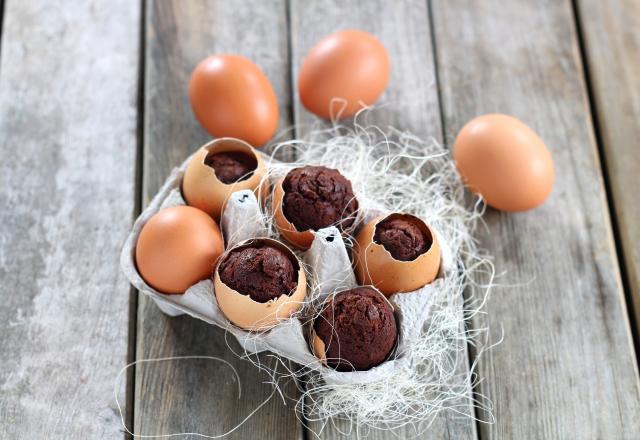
{"x":327,"y":260}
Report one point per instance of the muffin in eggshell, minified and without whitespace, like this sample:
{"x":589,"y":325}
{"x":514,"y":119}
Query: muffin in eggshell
{"x":310,"y":198}
{"x":356,"y":330}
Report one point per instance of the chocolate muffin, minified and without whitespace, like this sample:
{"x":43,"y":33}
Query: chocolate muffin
{"x":358,"y":328}
{"x":316,"y":197}
{"x":261,"y":271}
{"x":403,"y":236}
{"x":231,"y":166}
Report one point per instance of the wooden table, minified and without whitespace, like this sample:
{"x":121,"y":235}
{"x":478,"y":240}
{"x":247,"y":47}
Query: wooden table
{"x":94,"y":114}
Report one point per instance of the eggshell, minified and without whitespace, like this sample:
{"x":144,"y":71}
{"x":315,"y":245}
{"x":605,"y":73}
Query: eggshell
{"x":503,"y":160}
{"x":319,"y":348}
{"x":231,"y":97}
{"x":300,"y":239}
{"x":178,"y":247}
{"x":200,"y":185}
{"x":248,"y":314}
{"x":351,"y":65}
{"x":374,"y":265}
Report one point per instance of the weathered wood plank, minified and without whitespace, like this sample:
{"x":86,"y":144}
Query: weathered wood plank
{"x":611,"y":36}
{"x":200,"y":396}
{"x":404,"y":30}
{"x":1,"y":16}
{"x":68,"y":87}
{"x":566,"y":368}
{"x":411,"y":103}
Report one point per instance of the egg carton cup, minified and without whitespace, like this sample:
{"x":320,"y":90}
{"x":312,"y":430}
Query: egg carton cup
{"x":330,"y":271}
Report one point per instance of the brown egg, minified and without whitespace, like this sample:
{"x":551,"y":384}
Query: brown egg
{"x":231,"y":97}
{"x":201,"y":185}
{"x":178,"y":247}
{"x":351,"y":65}
{"x":396,"y":253}
{"x":504,"y":161}
{"x":241,"y":308}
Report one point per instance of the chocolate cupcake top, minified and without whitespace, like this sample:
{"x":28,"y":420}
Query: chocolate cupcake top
{"x":316,"y":197}
{"x":231,"y":166}
{"x":358,"y":328}
{"x":261,"y":271}
{"x":403,"y":237}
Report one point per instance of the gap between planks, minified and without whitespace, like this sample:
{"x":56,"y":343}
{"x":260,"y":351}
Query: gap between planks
{"x":137,"y":208}
{"x":596,"y":120}
{"x":472,"y":351}
{"x":1,"y":21}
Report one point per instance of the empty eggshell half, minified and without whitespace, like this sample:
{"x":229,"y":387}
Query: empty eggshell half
{"x":375,"y":265}
{"x":248,"y":314}
{"x":301,"y":240}
{"x":201,"y":187}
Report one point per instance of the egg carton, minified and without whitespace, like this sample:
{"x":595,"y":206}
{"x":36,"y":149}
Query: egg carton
{"x":331,"y":271}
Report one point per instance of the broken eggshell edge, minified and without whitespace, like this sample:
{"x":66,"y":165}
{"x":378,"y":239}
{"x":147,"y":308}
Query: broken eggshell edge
{"x":200,"y":185}
{"x":299,"y":239}
{"x":251,"y":315}
{"x":376,"y":266}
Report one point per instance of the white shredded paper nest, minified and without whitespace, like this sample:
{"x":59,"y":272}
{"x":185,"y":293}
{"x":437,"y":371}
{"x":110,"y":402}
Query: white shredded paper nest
{"x":390,"y":172}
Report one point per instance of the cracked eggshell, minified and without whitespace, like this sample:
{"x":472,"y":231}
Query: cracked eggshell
{"x":301,"y":240}
{"x":248,"y":314}
{"x":200,"y":185}
{"x":374,"y":265}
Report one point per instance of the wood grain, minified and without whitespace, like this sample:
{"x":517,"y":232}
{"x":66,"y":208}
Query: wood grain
{"x":411,"y":97}
{"x":68,"y":145}
{"x":611,"y":36}
{"x":566,"y":367}
{"x":201,"y":396}
{"x":410,"y":103}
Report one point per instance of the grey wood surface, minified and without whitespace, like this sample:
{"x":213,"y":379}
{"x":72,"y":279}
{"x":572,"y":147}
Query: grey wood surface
{"x":68,"y":87}
{"x":68,"y":139}
{"x":566,"y":367}
{"x":410,"y":103}
{"x":611,"y":36}
{"x":201,"y":396}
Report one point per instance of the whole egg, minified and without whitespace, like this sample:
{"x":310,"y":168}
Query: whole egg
{"x":504,"y":161}
{"x":342,"y":73}
{"x":178,"y":247}
{"x":231,"y":97}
